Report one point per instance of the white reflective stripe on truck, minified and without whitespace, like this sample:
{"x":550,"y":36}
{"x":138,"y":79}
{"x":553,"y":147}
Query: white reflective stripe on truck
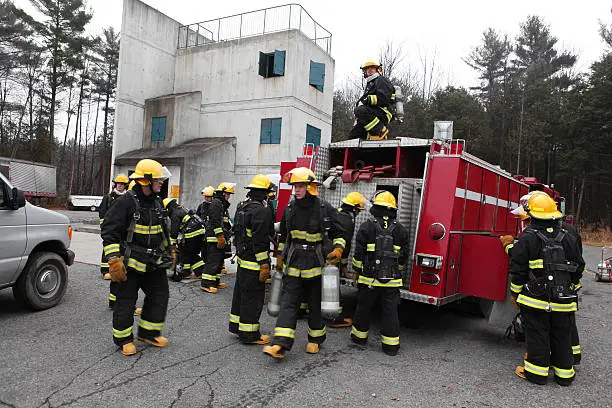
{"x":474,"y":196}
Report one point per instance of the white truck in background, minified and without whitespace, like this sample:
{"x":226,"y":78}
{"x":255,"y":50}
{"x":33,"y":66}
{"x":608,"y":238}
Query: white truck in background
{"x":36,"y":180}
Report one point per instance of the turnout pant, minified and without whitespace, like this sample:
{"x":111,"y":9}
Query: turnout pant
{"x":154,"y":284}
{"x":389,"y":301}
{"x":284,"y":332}
{"x":247,"y":304}
{"x":369,"y":120}
{"x":112,"y":296}
{"x":547,"y":335}
{"x":575,"y":340}
{"x":103,"y":264}
{"x":211,"y":274}
{"x":190,"y":254}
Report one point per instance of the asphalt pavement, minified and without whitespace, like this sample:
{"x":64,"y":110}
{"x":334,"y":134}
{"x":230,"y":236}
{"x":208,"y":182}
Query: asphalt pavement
{"x":65,"y":356}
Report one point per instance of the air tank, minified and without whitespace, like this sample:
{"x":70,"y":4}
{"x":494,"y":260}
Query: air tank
{"x":274,"y":301}
{"x":399,"y":104}
{"x":330,"y":292}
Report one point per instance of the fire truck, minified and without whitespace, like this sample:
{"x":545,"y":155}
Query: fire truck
{"x":455,"y":206}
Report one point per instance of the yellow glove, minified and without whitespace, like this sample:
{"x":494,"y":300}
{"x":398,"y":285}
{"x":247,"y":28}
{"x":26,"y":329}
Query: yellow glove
{"x":513,"y":300}
{"x":264,"y":272}
{"x":221,"y":242}
{"x":279,"y":263}
{"x":117,"y":271}
{"x":334,"y":256}
{"x":506,"y":239}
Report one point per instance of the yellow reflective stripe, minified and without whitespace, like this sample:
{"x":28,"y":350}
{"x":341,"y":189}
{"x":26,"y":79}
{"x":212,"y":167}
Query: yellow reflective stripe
{"x":194,"y":233}
{"x":391,"y":341}
{"x":389,"y":114}
{"x":304,"y":273}
{"x":392,"y":97}
{"x":373,"y":99}
{"x":112,"y":297}
{"x":371,"y":247}
{"x":396,"y":248}
{"x":357,"y":264}
{"x":340,"y":242}
{"x":576,"y":349}
{"x":344,"y":261}
{"x":139,"y":266}
{"x":248,"y":264}
{"x":225,"y":219}
{"x":359,"y":334}
{"x":508,"y":247}
{"x":304,"y":305}
{"x":536,"y":264}
{"x":371,"y":125}
{"x":260,"y":256}
{"x":218,"y":230}
{"x":212,"y":239}
{"x":401,"y":267}
{"x":247,"y":327}
{"x":186,"y":266}
{"x":173,"y":241}
{"x":516,"y":288}
{"x":281,"y":246}
{"x":101,"y":221}
{"x":535,"y":369}
{"x":103,"y":264}
{"x":146,"y":230}
{"x":186,"y":218}
{"x":317,"y":333}
{"x":284,"y":332}
{"x":145,"y":324}
{"x":563,"y":372}
{"x":393,"y":283}
{"x":121,"y":334}
{"x":249,"y":233}
{"x":541,"y":304}
{"x":206,"y":276}
{"x":111,"y":248}
{"x":198,"y":264}
{"x":234,"y":318}
{"x":303,"y":235}
{"x":578,"y":286}
{"x":365,"y":280}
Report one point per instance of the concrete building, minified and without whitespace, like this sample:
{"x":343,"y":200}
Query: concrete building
{"x":220,"y":100}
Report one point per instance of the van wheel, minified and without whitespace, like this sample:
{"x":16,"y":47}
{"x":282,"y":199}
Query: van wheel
{"x":43,"y":282}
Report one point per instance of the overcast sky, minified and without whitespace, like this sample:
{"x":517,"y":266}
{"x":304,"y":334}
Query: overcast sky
{"x":447,"y":27}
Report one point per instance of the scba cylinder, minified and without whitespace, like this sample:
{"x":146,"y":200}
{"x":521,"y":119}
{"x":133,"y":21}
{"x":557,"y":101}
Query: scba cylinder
{"x":274,"y":301}
{"x":330,"y":292}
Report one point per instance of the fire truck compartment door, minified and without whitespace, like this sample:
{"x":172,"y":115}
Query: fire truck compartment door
{"x":484,"y":267}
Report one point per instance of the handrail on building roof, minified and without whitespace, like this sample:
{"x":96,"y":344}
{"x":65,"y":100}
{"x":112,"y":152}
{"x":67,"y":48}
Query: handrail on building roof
{"x":258,"y":22}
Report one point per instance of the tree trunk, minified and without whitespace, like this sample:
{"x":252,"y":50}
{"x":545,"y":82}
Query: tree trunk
{"x":93,"y":147}
{"x":578,"y":223}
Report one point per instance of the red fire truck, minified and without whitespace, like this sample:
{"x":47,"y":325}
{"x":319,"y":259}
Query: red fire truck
{"x":454,"y":204}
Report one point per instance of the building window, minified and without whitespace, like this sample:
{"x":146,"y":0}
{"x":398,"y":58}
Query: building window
{"x":313,"y":135}
{"x":270,"y":131}
{"x":158,"y":129}
{"x":272,"y":64}
{"x":317,"y":75}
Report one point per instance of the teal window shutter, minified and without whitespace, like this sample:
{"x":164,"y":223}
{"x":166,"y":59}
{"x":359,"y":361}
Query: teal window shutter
{"x":275,"y":136}
{"x":313,"y":135}
{"x":158,"y":129}
{"x":279,"y":63}
{"x":317,"y":75}
{"x":270,"y":131}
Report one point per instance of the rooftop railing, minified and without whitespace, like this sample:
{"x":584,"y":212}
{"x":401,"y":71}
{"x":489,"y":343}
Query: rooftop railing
{"x":253,"y":23}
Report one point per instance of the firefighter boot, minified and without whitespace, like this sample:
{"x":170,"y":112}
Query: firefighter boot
{"x":342,"y":322}
{"x":159,"y":341}
{"x":312,"y":348}
{"x":275,"y":351}
{"x":263,"y":339}
{"x":138,"y":311}
{"x":520,"y":371}
{"x":383,"y":135}
{"x":128,"y":349}
{"x":221,"y":285}
{"x":106,"y":276}
{"x":209,"y":289}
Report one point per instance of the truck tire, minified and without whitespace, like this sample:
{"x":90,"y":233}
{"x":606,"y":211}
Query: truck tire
{"x":43,"y":282}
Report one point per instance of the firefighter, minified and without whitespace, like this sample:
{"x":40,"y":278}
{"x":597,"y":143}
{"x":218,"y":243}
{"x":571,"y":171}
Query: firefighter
{"x":381,"y":251}
{"x":352,"y":205}
{"x":253,"y":227}
{"x":120,"y":184}
{"x":186,"y":231}
{"x":373,"y":115}
{"x":306,"y":222}
{"x":217,"y":238}
{"x":546,"y":264}
{"x":135,"y":238}
{"x":202,"y":212}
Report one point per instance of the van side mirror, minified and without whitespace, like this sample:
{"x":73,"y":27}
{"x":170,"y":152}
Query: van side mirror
{"x":18,"y":199}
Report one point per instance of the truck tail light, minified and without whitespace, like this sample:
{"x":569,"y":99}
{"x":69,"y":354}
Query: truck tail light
{"x":436,"y":231}
{"x":70,"y":232}
{"x":429,"y":261}
{"x":430,"y":278}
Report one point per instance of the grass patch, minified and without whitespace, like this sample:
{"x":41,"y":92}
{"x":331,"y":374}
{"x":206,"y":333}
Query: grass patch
{"x":596,"y":237}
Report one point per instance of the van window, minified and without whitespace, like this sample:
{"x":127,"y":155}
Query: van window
{"x":3,"y":195}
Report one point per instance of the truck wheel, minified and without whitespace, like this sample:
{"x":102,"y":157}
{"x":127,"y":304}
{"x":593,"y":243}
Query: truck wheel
{"x":43,"y":282}
{"x":597,"y":277}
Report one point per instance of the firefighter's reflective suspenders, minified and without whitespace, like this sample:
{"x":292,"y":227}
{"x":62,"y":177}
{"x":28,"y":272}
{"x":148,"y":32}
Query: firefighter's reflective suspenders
{"x":324,"y":221}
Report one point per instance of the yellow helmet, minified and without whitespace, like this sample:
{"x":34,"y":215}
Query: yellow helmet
{"x":167,"y":201}
{"x":385,"y":199}
{"x":542,"y":207}
{"x":520,"y":210}
{"x":208,"y":191}
{"x":227,"y":188}
{"x":370,"y":63}
{"x":147,"y":170}
{"x":132,"y":184}
{"x":355,"y":199}
{"x":121,"y":178}
{"x":301,"y":175}
{"x":260,"y":182}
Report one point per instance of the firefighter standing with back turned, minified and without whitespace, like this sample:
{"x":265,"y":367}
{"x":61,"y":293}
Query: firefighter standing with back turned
{"x":253,"y":227}
{"x":189,"y":226}
{"x":546,"y":264}
{"x":202,"y":212}
{"x":120,"y":184}
{"x":304,"y":223}
{"x":217,"y":238}
{"x":135,"y":237}
{"x":352,"y":205}
{"x":373,"y":115}
{"x":381,"y":251}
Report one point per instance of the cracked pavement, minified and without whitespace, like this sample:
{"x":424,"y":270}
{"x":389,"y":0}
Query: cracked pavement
{"x":65,"y":357}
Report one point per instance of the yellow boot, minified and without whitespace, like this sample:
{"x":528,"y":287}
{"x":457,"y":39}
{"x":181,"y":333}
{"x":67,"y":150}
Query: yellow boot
{"x":106,"y":276}
{"x":264,"y":339}
{"x":138,"y":311}
{"x":520,"y":371}
{"x":275,"y":351}
{"x":209,"y":289}
{"x":128,"y":349}
{"x":312,"y":348}
{"x":159,"y":341}
{"x":221,"y":285}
